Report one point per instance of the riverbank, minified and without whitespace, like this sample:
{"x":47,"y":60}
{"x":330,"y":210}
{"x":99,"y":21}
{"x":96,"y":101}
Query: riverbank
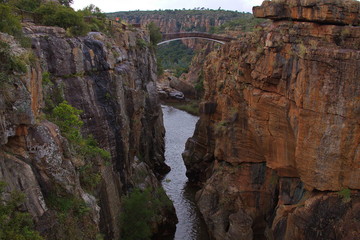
{"x":189,"y":106}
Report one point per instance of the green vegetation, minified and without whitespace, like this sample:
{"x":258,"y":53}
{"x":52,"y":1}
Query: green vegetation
{"x":345,"y":193}
{"x":76,"y":23}
{"x":8,"y":22}
{"x":199,"y":86}
{"x":9,"y":62}
{"x":68,"y":119}
{"x":67,"y":205}
{"x":46,"y":78}
{"x":155,"y":34}
{"x":141,"y":43}
{"x":245,"y":23}
{"x":139,"y":209}
{"x":90,"y":178}
{"x":179,"y":14}
{"x":26,"y":5}
{"x":14,"y":224}
{"x":175,"y":56}
{"x":72,"y":217}
{"x":189,"y":107}
{"x":53,"y":14}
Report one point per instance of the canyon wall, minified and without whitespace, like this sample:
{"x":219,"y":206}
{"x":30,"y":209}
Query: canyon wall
{"x":171,"y":21}
{"x":276,"y":149}
{"x":112,"y":81}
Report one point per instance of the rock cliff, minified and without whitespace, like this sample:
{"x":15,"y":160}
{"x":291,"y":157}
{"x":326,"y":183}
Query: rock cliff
{"x":171,"y":21}
{"x":276,"y":149}
{"x":112,"y":81}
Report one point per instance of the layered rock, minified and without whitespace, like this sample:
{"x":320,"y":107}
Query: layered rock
{"x":326,"y":12}
{"x":112,"y":80}
{"x":276,"y":147}
{"x":171,"y":21}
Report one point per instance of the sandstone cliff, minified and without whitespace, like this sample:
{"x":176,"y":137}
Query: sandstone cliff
{"x":112,"y":81}
{"x":276,"y":149}
{"x":179,"y":20}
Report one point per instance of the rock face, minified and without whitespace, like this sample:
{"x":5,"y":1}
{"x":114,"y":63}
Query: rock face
{"x":325,"y":12}
{"x":276,"y":149}
{"x":112,"y":80}
{"x":171,"y":21}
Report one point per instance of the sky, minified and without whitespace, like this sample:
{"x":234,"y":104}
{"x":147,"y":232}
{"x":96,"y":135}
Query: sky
{"x":127,"y":5}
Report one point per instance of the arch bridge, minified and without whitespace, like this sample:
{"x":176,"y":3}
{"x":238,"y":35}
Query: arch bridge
{"x":169,"y":37}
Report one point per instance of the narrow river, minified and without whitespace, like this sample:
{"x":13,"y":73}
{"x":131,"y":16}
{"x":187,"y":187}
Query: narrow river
{"x":179,"y":127}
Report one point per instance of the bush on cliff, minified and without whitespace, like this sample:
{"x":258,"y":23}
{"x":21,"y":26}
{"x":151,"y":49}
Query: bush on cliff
{"x":52,"y":14}
{"x":95,"y":19}
{"x":139,"y":209}
{"x":155,"y":34}
{"x":15,"y":224}
{"x":68,"y":119}
{"x":26,"y":5}
{"x":136,"y":216}
{"x":9,"y":23}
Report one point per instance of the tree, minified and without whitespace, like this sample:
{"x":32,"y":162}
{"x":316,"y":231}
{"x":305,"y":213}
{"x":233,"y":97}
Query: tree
{"x":66,"y":2}
{"x":155,"y":34}
{"x":136,"y":216}
{"x":15,"y":224}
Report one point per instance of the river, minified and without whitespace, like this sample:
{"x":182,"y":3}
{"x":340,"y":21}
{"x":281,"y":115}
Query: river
{"x":179,"y":127}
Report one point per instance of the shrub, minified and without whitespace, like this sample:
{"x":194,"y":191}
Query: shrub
{"x":68,"y":120}
{"x":9,"y":23}
{"x":141,"y":43}
{"x":67,"y":205}
{"x":175,"y":55}
{"x":53,"y":14}
{"x":160,"y":68}
{"x":345,"y":193}
{"x":90,"y":178}
{"x":46,"y":79}
{"x":26,"y":5}
{"x":139,"y":209}
{"x":15,"y":224}
{"x":9,"y":62}
{"x":155,"y":34}
{"x":136,"y":216}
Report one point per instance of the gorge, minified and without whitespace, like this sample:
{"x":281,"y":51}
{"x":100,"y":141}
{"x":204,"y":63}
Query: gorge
{"x":274,"y":155}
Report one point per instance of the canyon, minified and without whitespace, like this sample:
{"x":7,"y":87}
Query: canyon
{"x":275,"y":153}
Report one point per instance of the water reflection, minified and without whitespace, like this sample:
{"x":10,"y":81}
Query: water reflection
{"x":179,"y":127}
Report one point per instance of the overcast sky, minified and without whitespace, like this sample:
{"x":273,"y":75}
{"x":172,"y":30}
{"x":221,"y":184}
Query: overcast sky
{"x":126,"y":5}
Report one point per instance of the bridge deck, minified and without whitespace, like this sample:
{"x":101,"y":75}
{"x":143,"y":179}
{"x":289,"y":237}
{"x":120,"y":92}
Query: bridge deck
{"x":179,"y":35}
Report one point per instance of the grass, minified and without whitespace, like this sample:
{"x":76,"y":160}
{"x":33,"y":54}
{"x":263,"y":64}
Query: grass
{"x":191,"y":107}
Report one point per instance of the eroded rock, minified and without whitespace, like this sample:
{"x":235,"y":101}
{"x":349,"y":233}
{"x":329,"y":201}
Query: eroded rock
{"x":283,"y":99}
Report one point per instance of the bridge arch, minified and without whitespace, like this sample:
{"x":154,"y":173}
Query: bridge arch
{"x":169,"y":37}
{"x":175,"y":39}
